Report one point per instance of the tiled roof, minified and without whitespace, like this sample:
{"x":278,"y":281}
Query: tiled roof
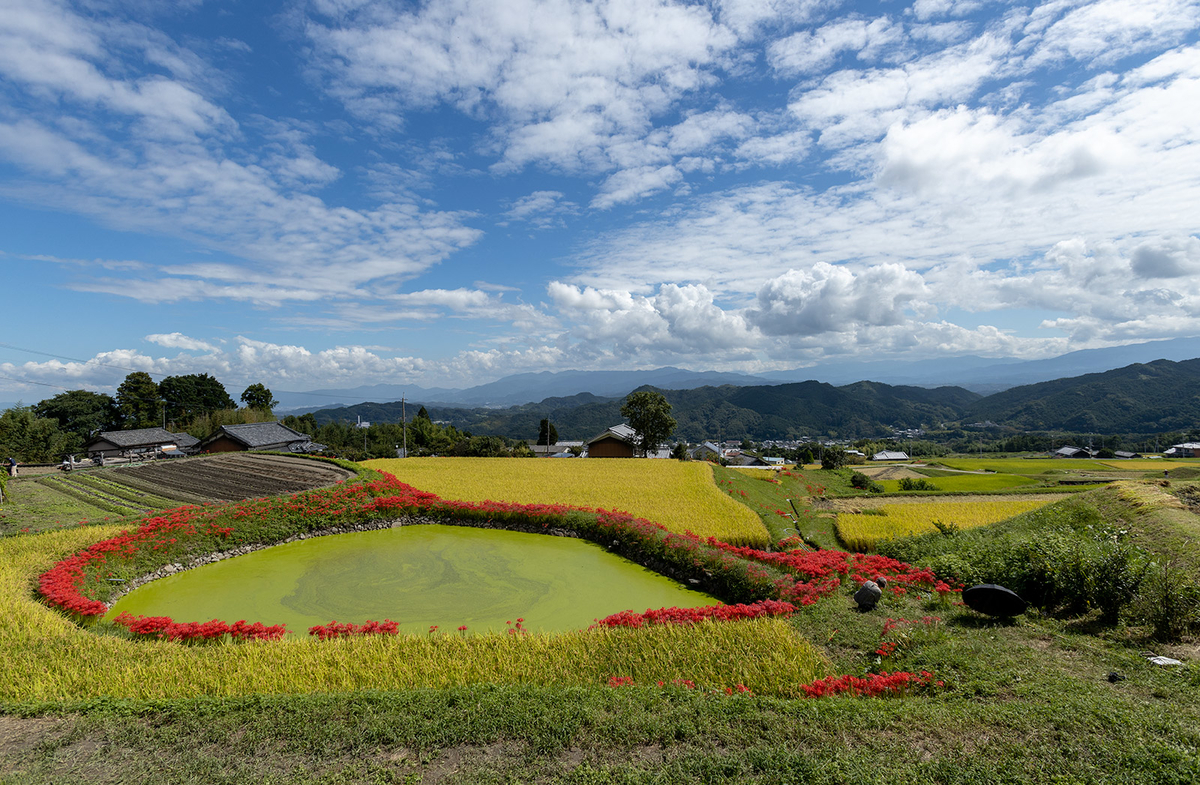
{"x":257,"y":435}
{"x":621,"y":432}
{"x":139,"y":437}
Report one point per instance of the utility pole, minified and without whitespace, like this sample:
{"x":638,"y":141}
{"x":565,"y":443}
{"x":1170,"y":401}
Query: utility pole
{"x":404,"y":424}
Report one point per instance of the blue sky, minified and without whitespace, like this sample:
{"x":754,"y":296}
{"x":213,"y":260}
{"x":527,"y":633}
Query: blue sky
{"x":336,"y":192}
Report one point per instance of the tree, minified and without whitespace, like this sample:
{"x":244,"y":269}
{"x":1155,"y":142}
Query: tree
{"x":547,"y":433}
{"x":33,"y":439}
{"x":138,"y":401}
{"x":649,"y":415}
{"x":833,"y":458}
{"x":192,"y":395}
{"x":257,"y":396}
{"x":679,"y":452}
{"x":80,"y":412}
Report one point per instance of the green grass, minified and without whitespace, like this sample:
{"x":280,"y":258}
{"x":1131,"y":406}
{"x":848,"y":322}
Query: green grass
{"x":970,"y":483}
{"x":1038,"y":466}
{"x":1027,"y":701}
{"x":35,"y":507}
{"x":754,"y":488}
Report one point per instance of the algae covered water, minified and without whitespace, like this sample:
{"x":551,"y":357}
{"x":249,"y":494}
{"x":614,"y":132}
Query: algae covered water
{"x":420,"y":576}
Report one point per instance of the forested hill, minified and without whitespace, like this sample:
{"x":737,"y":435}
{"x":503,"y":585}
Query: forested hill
{"x":776,"y":411}
{"x":1142,"y":398}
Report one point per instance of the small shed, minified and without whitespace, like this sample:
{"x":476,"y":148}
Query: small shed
{"x":618,"y":441}
{"x":890,"y":455}
{"x":272,"y":436}
{"x":1071,"y":452}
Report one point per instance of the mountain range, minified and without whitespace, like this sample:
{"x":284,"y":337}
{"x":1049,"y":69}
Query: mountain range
{"x":978,"y":374}
{"x":1157,"y":397}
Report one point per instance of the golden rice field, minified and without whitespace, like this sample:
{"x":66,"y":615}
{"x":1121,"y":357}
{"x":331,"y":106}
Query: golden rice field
{"x":679,"y":495}
{"x":45,"y":656}
{"x":861,"y":532}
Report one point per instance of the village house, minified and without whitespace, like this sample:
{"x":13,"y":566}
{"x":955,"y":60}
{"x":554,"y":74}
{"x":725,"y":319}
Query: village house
{"x":140,"y":441}
{"x":1185,"y":450}
{"x":271,"y":436}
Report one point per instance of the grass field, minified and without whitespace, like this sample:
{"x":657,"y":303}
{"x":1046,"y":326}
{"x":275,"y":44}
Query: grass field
{"x":678,"y":495}
{"x":970,"y":483}
{"x":861,"y":532}
{"x":1035,"y":466}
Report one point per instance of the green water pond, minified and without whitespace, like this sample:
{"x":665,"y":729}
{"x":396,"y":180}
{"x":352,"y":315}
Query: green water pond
{"x":420,"y":576}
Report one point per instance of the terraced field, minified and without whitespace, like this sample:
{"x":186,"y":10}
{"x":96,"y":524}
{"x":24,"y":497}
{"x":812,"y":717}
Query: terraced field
{"x":136,"y":490}
{"x":229,"y":476}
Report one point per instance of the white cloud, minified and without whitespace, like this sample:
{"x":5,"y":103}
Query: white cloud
{"x":1103,"y":32}
{"x":811,"y":52}
{"x":180,"y":170}
{"x":848,"y":107}
{"x":562,"y":78}
{"x":746,"y":17}
{"x":631,"y":184}
{"x":543,"y":209}
{"x":181,"y":341}
{"x":1174,"y":258}
{"x":834,"y":299}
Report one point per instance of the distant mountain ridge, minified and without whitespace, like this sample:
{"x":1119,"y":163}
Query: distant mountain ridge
{"x":760,"y":412}
{"x":1141,"y":398}
{"x":979,"y":374}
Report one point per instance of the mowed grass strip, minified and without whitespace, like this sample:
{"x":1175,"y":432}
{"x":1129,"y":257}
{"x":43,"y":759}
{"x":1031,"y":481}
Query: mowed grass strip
{"x":44,"y":656}
{"x":861,"y":532}
{"x":680,"y":496}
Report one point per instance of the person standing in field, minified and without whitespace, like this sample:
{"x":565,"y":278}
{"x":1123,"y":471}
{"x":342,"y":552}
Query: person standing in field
{"x":12,"y":467}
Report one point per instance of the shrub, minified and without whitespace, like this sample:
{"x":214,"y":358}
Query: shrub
{"x":1169,"y":602}
{"x":911,"y":484}
{"x":833,"y":458}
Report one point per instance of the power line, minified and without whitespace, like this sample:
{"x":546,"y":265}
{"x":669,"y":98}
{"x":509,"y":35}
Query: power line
{"x":77,"y":360}
{"x":120,"y":368}
{"x":27,"y":381}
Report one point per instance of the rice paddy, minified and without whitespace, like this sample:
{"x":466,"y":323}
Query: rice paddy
{"x":45,"y":656}
{"x":680,"y":496}
{"x":861,"y":531}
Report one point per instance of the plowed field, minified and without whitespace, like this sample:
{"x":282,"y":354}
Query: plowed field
{"x":228,"y":477}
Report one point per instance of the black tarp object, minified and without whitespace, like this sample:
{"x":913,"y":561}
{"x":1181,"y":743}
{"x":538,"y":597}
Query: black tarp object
{"x":992,"y":600}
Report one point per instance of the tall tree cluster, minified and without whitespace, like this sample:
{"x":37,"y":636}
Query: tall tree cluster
{"x":65,"y":423}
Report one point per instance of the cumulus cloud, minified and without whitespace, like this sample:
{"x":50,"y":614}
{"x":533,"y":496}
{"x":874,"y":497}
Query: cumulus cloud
{"x":834,"y":299}
{"x":1173,"y":258}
